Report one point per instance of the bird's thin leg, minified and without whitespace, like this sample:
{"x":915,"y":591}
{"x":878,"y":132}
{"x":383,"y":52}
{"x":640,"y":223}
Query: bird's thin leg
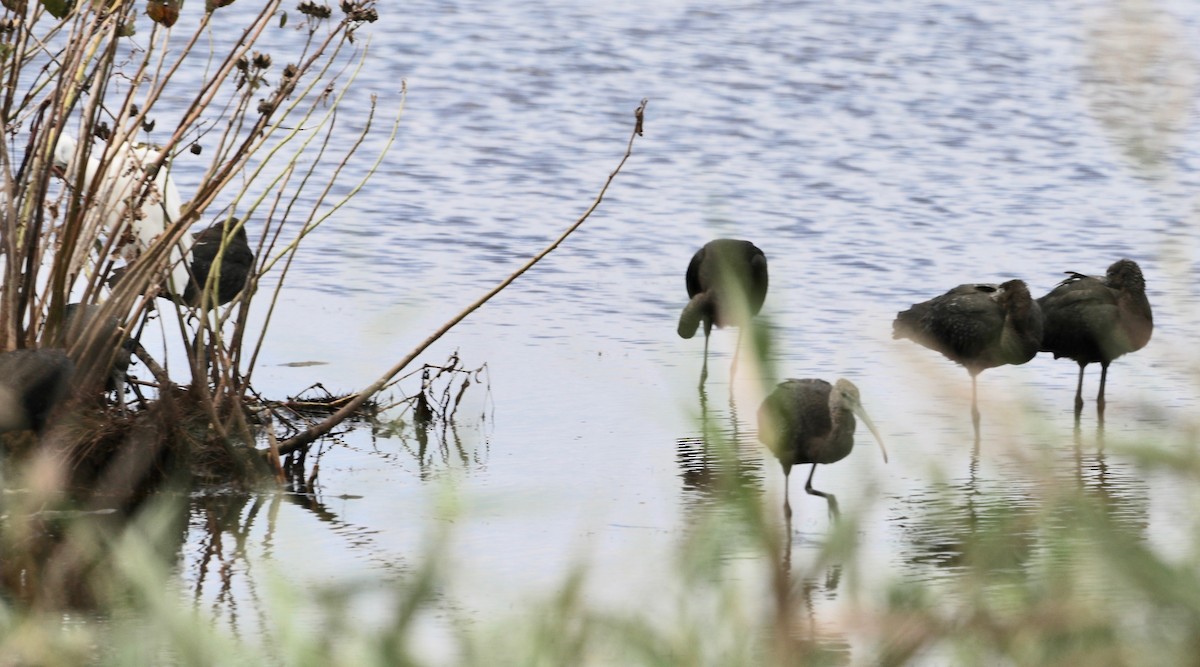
{"x":1100,"y":396}
{"x":787,"y":506}
{"x":833,"y":504}
{"x":737,"y":351}
{"x":1104,"y":378}
{"x":704,"y":367}
{"x":974,"y":407}
{"x":1079,"y":391}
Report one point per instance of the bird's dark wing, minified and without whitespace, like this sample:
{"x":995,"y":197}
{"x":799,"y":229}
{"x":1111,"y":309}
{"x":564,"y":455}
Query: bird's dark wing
{"x":963,"y":325}
{"x":799,"y":412}
{"x":236,"y":264}
{"x":1078,"y":314}
{"x":694,"y":285}
{"x":757,"y":284}
{"x":960,"y":323}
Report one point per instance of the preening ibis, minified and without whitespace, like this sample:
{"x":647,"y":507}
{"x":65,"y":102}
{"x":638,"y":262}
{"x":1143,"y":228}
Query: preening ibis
{"x":980,"y":326}
{"x":32,"y":383}
{"x":237,"y":262}
{"x":726,"y":285}
{"x":1093,"y":319}
{"x":812,"y":421}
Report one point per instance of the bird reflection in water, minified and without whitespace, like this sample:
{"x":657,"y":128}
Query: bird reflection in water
{"x":714,"y":466}
{"x":1004,"y":520}
{"x":798,"y":638}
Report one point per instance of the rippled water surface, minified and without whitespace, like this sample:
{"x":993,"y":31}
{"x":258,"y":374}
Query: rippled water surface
{"x":879,"y":152}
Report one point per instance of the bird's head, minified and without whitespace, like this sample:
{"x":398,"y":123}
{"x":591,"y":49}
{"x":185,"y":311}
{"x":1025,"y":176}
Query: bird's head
{"x":1012,"y":290}
{"x":845,"y":394}
{"x":1125,"y":274}
{"x":1013,"y":295}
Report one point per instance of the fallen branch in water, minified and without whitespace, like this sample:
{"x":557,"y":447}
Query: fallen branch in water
{"x":317,"y":430}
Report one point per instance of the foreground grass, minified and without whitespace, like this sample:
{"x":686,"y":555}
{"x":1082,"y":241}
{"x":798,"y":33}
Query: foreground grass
{"x":1060,"y":580}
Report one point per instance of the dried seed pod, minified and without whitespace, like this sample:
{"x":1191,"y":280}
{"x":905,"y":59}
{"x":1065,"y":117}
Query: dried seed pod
{"x":310,"y":8}
{"x":164,"y":12}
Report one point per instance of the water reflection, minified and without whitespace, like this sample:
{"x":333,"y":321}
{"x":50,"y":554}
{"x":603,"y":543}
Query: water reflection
{"x":63,"y":560}
{"x":438,"y":446}
{"x":799,"y":630}
{"x":230,"y":533}
{"x":718,"y":464}
{"x":996,"y":523}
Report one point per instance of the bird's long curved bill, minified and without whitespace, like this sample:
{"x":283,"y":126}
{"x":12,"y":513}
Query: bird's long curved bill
{"x":862,"y":414}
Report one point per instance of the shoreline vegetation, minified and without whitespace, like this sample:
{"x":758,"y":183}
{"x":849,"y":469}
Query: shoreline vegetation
{"x":98,"y":241}
{"x":100,"y":222}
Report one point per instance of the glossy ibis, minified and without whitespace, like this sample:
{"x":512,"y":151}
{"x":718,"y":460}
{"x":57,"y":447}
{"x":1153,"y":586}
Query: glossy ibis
{"x":812,"y":421}
{"x":124,"y":182}
{"x":237,"y":262}
{"x":1093,"y":319}
{"x":980,"y":326}
{"x":32,"y":383}
{"x":726,"y":285}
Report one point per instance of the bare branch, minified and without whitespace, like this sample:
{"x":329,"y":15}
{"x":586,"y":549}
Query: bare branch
{"x":317,"y":430}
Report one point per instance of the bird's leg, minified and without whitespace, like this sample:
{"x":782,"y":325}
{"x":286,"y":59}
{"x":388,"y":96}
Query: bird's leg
{"x":736,"y":352}
{"x":832,"y":500}
{"x":704,"y":367}
{"x":1100,"y":396}
{"x":1079,"y":391}
{"x":974,"y":408}
{"x":787,"y":506}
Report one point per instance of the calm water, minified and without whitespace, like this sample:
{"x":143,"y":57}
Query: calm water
{"x":879,"y":152}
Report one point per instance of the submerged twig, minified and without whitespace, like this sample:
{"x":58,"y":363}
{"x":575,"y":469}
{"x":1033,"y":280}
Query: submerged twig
{"x":317,"y":430}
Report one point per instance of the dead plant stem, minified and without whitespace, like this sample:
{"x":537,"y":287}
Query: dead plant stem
{"x":317,"y":430}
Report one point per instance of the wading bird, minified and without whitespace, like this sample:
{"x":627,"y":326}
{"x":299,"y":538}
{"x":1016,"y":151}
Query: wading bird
{"x":812,"y":421}
{"x":980,"y":326}
{"x":237,"y":261}
{"x":726,"y":285}
{"x":127,"y":201}
{"x":32,"y":383}
{"x":1093,"y":319}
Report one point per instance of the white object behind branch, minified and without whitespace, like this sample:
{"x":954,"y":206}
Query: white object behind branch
{"x":120,"y":189}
